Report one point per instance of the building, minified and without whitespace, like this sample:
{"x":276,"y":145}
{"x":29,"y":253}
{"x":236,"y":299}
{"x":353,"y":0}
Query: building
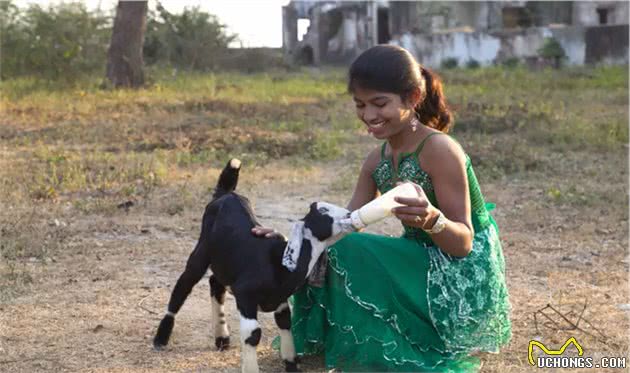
{"x":487,"y":32}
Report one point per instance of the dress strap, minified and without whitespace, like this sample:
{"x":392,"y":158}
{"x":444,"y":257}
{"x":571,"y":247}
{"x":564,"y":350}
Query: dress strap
{"x":383,"y":150}
{"x":419,"y":149}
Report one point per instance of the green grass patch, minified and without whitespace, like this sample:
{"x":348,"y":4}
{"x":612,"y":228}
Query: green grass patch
{"x":82,"y":139}
{"x":571,"y":109}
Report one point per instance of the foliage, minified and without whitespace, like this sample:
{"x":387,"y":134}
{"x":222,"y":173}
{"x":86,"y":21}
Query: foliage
{"x":449,"y":63}
{"x":511,"y":62}
{"x":553,"y":52}
{"x":86,"y":141}
{"x":61,"y":42}
{"x":192,"y":40}
{"x":66,"y":42}
{"x":551,"y":48}
{"x":473,"y":64}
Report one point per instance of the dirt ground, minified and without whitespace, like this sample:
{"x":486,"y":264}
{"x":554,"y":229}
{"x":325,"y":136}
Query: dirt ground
{"x":94,"y":306}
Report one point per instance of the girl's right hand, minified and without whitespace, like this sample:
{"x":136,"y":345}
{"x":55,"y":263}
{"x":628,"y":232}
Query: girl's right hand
{"x":267,"y":232}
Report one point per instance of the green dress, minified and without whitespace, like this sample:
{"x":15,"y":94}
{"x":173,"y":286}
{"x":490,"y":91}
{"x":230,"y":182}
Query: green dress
{"x":400,"y":303}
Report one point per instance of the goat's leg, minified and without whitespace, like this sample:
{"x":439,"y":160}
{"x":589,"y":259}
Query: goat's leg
{"x":287,"y":348}
{"x":249,"y":330}
{"x":221,"y":330}
{"x":196,"y":267}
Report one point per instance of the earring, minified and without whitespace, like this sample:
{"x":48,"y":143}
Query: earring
{"x":414,"y":123}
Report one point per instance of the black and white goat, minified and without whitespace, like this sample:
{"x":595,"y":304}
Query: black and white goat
{"x":260,"y":272}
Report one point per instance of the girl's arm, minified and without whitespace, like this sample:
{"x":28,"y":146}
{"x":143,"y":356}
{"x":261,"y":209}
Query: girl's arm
{"x":445,"y":162}
{"x":365,"y":189}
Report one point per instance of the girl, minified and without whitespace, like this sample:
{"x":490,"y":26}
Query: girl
{"x":428,"y":299}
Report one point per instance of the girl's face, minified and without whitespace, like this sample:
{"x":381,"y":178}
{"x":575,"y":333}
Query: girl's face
{"x":384,"y":114}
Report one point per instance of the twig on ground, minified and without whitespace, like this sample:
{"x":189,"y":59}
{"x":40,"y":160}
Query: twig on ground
{"x":144,"y":308}
{"x":572,"y":325}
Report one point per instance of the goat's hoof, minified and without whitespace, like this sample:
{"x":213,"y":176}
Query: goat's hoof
{"x":291,"y":366}
{"x":222,"y":343}
{"x":158,"y":346}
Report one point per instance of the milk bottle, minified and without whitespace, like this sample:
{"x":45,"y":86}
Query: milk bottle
{"x":382,"y":206}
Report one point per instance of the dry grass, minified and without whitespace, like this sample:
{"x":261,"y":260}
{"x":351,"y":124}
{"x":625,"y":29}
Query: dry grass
{"x":82,"y":278}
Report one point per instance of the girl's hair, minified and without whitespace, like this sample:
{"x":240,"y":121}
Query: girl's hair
{"x":389,"y":68}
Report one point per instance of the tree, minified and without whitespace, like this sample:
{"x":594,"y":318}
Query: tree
{"x":193,"y":40}
{"x":124,"y":57}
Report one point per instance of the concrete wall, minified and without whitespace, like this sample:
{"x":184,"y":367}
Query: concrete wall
{"x":431,"y":50}
{"x":599,"y":44}
{"x":585,"y":12}
{"x":607,"y":44}
{"x":572,"y":41}
{"x":472,"y":14}
{"x":351,"y":37}
{"x":544,"y":13}
{"x":433,"y":16}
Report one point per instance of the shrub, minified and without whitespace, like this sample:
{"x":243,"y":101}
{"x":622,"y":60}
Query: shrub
{"x":473,"y":64}
{"x":193,"y":40}
{"x":64,"y":41}
{"x":511,"y":62}
{"x":449,"y":63}
{"x":551,"y":50}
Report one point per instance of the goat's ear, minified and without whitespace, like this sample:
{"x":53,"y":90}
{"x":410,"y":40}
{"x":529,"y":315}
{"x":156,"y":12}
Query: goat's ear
{"x":292,"y":250}
{"x":311,"y":209}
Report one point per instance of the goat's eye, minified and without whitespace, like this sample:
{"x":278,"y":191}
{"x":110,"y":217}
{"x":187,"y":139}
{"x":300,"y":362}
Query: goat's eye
{"x":322,"y":210}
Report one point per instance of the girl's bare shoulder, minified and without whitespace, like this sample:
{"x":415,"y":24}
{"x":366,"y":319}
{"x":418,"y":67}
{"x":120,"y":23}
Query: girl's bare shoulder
{"x":440,"y":151}
{"x":372,"y":159}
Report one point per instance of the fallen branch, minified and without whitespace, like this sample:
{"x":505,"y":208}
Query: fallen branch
{"x":572,"y":325}
{"x":144,"y":308}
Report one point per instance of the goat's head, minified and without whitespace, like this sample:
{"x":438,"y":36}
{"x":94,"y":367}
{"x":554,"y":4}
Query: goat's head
{"x":324,"y":225}
{"x":327,"y":222}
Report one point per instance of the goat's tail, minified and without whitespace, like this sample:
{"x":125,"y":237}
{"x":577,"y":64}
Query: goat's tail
{"x":228,"y":179}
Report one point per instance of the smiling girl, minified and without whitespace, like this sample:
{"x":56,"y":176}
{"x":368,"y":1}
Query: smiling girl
{"x":427,"y":300}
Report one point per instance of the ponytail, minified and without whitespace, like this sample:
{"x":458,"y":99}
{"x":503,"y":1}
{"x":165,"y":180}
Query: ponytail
{"x":433,"y":111}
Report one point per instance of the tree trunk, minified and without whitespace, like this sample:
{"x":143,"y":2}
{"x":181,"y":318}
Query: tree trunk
{"x":124,"y":57}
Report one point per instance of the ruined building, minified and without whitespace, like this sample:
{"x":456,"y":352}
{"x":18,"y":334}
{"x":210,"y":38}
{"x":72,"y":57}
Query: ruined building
{"x":485,"y":32}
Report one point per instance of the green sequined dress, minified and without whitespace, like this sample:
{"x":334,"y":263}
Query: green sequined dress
{"x":400,"y":303}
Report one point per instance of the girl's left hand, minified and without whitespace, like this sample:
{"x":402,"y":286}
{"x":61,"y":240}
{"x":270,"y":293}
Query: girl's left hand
{"x":267,"y":232}
{"x":417,"y":212}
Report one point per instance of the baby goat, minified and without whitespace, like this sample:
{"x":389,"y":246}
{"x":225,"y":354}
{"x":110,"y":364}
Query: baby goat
{"x":260,"y":272}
